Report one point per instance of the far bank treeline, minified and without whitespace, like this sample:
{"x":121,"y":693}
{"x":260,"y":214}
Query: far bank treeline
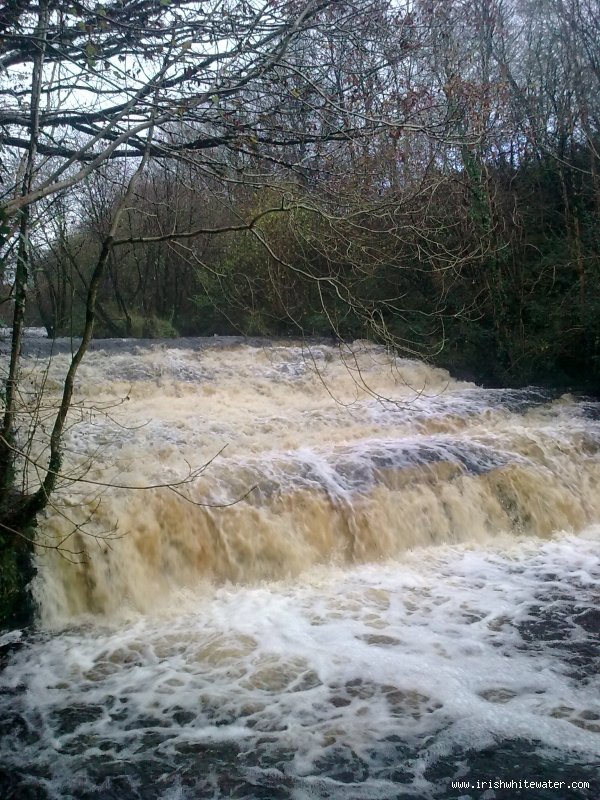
{"x":459,"y":221}
{"x":495,"y":275}
{"x":424,"y":173}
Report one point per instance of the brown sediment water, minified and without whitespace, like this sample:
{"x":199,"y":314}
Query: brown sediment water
{"x":314,"y":455}
{"x":383,"y":579}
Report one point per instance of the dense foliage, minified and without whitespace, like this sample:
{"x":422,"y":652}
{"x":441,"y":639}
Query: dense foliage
{"x":423,"y":172}
{"x":434,"y":184}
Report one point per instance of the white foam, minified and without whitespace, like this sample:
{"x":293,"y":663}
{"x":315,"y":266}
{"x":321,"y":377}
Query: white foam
{"x":347,"y":454}
{"x":429,"y":656}
{"x":376,"y":661}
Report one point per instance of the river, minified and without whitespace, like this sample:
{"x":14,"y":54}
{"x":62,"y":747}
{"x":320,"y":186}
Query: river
{"x":366,"y":580}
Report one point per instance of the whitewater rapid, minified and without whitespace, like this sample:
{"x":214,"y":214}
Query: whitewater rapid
{"x":379,"y":580}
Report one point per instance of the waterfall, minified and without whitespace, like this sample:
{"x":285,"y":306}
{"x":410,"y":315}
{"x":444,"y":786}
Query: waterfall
{"x":348,"y":576}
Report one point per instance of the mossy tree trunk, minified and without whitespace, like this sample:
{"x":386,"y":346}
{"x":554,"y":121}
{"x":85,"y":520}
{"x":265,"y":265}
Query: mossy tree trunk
{"x":18,"y":509}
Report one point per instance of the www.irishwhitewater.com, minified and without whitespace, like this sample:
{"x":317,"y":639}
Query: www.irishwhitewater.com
{"x":498,"y":783}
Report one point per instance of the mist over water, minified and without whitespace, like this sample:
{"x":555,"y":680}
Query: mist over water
{"x":383,"y":580}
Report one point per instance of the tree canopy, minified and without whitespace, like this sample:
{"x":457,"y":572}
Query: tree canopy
{"x":422,"y":172}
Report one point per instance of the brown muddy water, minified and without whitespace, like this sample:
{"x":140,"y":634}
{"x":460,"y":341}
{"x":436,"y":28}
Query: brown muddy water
{"x":382,"y":581}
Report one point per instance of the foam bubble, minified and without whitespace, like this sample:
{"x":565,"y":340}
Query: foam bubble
{"x":351,"y":683}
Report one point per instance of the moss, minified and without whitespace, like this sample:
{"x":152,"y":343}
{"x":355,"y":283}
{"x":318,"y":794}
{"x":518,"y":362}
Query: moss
{"x":16,"y":573}
{"x":158,"y":328}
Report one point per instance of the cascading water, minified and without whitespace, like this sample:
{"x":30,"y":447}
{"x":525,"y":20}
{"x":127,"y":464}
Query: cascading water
{"x":383,"y":581}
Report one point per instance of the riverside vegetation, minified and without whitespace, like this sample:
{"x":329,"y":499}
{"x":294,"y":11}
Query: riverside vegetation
{"x":425,"y":175}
